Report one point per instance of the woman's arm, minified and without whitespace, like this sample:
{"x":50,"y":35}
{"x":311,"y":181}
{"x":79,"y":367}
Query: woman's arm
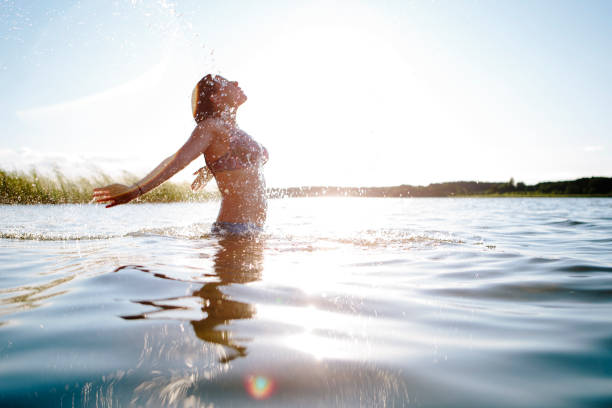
{"x":200,"y":139}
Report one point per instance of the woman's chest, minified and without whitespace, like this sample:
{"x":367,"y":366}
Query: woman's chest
{"x":216,"y":150}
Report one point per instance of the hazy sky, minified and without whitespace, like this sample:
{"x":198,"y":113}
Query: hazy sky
{"x":340,"y":92}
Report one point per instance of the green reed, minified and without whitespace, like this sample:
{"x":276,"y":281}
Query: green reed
{"x":33,"y":188}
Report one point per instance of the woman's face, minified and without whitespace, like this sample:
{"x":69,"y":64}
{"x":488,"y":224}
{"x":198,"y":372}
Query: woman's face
{"x":227,"y":94}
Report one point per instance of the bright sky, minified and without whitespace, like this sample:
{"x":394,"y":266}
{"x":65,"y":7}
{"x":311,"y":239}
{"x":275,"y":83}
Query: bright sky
{"x":358,"y":93}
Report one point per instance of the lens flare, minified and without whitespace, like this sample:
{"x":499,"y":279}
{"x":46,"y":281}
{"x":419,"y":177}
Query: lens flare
{"x":259,"y":387}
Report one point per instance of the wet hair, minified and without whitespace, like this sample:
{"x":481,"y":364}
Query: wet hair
{"x":201,"y":105}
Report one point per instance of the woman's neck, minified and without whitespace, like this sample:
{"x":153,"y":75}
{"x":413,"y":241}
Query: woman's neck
{"x":227,"y":115}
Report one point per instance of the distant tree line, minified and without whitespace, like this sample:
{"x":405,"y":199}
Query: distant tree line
{"x":594,"y":186}
{"x":600,"y":186}
{"x":31,"y":188}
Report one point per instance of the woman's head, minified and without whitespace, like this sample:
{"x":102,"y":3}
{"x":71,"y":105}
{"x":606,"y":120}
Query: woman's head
{"x":214,"y":95}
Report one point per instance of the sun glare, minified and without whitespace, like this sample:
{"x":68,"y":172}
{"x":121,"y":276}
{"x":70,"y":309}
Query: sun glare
{"x":335,"y":85}
{"x":317,"y":330}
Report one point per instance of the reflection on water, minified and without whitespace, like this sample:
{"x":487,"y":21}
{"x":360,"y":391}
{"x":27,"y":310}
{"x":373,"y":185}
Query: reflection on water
{"x":344,"y":302}
{"x":238,"y":260}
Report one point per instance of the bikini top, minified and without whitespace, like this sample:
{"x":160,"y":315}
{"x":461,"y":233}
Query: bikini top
{"x":243,"y":152}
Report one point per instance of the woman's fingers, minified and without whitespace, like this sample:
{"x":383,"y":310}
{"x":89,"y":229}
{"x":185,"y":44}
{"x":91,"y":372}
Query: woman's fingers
{"x":110,"y":202}
{"x":100,"y":192}
{"x":111,"y":195}
{"x":101,"y":195}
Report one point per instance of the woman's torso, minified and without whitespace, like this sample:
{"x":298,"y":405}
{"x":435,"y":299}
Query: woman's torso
{"x":236,"y":160}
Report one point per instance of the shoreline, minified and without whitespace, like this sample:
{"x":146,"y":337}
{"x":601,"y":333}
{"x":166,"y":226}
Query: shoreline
{"x":22,"y":188}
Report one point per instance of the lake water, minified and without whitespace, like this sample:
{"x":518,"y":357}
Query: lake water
{"x":342,"y":302}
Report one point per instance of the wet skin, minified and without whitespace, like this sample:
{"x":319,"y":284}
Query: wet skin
{"x":242,"y":190}
{"x":243,"y":194}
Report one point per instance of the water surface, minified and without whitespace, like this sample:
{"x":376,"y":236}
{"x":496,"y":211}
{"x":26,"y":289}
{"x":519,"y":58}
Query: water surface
{"x":343,"y":301}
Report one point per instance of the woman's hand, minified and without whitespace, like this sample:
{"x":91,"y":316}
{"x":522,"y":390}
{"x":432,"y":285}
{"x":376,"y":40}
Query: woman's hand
{"x":115,"y":194}
{"x":203,"y":177}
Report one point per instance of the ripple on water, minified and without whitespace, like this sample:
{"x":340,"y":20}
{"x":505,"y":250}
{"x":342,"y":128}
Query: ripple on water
{"x":425,"y":302}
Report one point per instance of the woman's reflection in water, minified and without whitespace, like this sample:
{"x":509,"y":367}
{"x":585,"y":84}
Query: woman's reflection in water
{"x":239,"y":260}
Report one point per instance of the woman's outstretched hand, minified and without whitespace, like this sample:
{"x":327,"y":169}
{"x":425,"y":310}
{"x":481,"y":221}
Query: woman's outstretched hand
{"x":115,"y":194}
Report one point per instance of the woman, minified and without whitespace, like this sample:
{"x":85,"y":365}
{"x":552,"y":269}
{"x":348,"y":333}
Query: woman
{"x":231,"y":155}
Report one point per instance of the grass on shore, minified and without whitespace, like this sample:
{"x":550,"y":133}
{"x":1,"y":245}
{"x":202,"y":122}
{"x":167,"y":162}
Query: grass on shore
{"x":32,"y":188}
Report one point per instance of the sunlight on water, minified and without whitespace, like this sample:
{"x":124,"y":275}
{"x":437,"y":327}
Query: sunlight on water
{"x":342,"y":301}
